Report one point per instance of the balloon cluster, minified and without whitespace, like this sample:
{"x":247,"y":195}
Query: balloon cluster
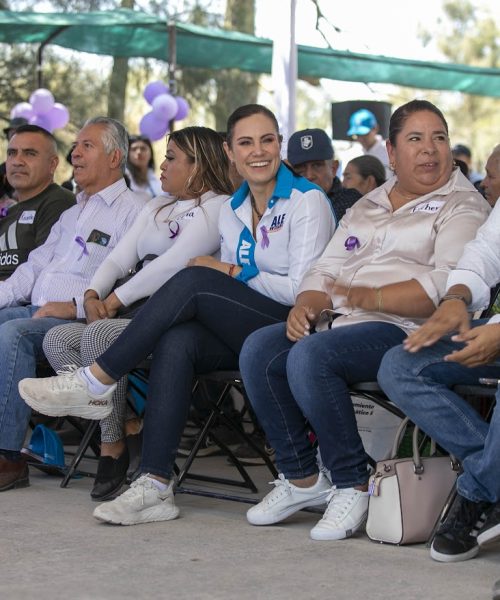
{"x":42,"y":110}
{"x":164,"y":108}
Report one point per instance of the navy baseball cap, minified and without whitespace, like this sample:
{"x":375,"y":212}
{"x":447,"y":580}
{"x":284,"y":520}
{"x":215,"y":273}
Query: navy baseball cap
{"x":309,"y":144}
{"x":361,"y":122}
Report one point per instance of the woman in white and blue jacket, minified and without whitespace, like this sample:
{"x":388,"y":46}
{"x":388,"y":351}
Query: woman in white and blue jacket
{"x":272,"y":231}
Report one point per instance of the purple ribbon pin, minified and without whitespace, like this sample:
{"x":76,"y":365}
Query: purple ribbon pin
{"x":265,"y":238}
{"x":174,"y":228}
{"x":81,"y":242}
{"x":351,"y":243}
{"x":3,"y":212}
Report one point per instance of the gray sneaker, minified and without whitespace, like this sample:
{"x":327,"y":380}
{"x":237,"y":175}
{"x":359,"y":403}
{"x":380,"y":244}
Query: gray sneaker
{"x":143,"y":502}
{"x":286,"y":499}
{"x":66,"y":394}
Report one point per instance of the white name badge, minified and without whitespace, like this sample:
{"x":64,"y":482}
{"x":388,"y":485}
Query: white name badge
{"x":27,"y":217}
{"x":432,"y":206}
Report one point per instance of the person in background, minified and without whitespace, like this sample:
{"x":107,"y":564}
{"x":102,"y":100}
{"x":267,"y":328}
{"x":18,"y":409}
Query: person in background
{"x":490,"y":184}
{"x":31,"y":163}
{"x":272,"y":230}
{"x":463,"y":153}
{"x":381,"y":275}
{"x":7,"y":196}
{"x":141,"y":167}
{"x":363,"y":173}
{"x":310,"y":153}
{"x":363,"y":127}
{"x":47,"y":289}
{"x":168,"y":233}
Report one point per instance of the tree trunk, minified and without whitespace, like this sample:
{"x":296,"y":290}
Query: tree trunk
{"x":234,"y":87}
{"x":118,"y":80}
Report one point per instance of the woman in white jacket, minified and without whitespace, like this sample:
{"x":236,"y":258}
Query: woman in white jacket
{"x":272,"y":230}
{"x":168,"y":233}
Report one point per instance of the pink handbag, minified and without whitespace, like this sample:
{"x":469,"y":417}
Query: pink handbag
{"x":407,"y":495}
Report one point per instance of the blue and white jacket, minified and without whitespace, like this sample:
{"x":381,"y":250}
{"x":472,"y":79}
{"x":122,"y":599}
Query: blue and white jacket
{"x":293,"y":232}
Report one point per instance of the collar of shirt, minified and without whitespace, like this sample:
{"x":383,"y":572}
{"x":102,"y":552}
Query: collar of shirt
{"x":108,"y":194}
{"x":282,"y":189}
{"x":456,"y":183}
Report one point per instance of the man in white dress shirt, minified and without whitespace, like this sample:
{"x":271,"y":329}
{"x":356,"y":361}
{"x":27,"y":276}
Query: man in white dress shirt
{"x":48,"y":288}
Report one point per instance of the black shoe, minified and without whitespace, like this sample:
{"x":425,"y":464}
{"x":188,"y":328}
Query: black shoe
{"x":111,"y":475}
{"x":248,"y":456}
{"x":456,"y":538}
{"x":490,"y":531}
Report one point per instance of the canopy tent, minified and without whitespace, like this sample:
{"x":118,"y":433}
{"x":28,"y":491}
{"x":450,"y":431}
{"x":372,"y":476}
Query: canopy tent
{"x":129,"y":33}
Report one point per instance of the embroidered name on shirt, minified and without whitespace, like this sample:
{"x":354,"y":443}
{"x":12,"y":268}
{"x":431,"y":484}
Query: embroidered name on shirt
{"x":277,"y":223}
{"x":27,"y":217}
{"x":431,"y":206}
{"x":188,"y":215}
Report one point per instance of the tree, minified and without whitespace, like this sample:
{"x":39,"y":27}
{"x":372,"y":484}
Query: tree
{"x":470,"y":37}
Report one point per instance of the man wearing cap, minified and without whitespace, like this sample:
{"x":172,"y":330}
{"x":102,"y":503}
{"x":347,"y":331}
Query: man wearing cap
{"x":31,"y":164}
{"x":310,"y":153}
{"x":363,"y":127}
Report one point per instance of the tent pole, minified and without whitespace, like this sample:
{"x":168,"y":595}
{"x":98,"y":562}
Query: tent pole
{"x":172,"y":63}
{"x":39,"y":55}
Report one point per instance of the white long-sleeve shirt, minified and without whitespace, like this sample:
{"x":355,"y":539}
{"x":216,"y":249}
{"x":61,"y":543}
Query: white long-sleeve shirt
{"x":61,"y":268}
{"x":375,"y":245}
{"x":479,"y":265}
{"x":153,"y":233}
{"x":292,"y":234}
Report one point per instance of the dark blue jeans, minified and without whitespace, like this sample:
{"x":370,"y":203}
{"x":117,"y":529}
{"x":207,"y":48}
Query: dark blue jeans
{"x":420,"y":384}
{"x":195,"y":323}
{"x":293,"y":384}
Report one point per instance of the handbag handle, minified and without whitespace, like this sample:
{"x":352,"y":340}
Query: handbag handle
{"x":417,"y":460}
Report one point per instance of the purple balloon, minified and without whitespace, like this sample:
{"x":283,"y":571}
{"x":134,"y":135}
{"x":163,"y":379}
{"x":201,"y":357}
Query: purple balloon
{"x":153,"y":89}
{"x":58,"y":116}
{"x":182,"y":108}
{"x":23,"y":109}
{"x":153,"y":127}
{"x":42,"y":121}
{"x":164,"y":107}
{"x":42,"y":101}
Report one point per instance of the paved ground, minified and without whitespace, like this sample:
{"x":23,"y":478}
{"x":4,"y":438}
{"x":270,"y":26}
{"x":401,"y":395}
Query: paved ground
{"x":53,"y":549}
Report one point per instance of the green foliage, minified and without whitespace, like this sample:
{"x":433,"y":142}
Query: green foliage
{"x":469,"y":36}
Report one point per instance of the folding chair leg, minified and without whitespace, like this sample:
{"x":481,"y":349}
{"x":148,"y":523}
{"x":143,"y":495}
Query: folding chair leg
{"x":84,"y":444}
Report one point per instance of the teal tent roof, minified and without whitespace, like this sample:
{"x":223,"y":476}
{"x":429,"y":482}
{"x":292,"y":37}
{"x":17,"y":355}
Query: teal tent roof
{"x":129,"y":33}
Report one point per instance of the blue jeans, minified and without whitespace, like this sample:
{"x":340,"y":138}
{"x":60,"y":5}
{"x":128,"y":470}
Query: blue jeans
{"x":195,"y":323}
{"x":21,"y":339}
{"x":420,"y":385}
{"x":291,"y":385}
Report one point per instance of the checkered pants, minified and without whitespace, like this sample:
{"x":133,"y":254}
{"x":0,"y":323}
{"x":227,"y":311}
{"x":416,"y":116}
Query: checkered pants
{"x":80,"y":344}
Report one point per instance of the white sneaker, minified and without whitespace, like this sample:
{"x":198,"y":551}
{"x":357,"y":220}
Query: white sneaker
{"x":143,"y":502}
{"x":66,"y":394}
{"x":346,"y":512}
{"x":287,"y":499}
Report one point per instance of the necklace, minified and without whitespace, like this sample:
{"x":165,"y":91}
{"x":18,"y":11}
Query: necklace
{"x":254,"y":207}
{"x":414,"y":197}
